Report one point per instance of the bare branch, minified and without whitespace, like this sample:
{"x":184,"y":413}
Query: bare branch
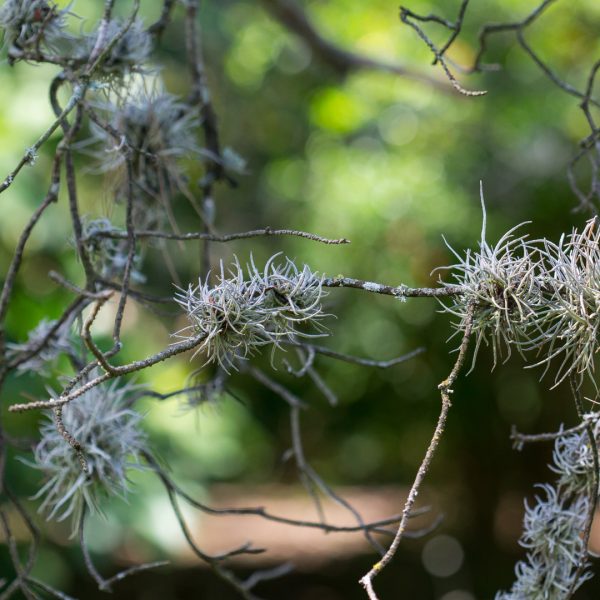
{"x":445,"y":388}
{"x":342,"y":61}
{"x":265,"y":232}
{"x":409,"y":18}
{"x":400,"y":291}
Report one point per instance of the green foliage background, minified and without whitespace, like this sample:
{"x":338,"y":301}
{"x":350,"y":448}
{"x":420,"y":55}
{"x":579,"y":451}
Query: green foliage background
{"x":391,"y":163}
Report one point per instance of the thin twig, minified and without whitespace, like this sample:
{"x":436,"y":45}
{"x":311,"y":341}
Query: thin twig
{"x":365,"y":362}
{"x":520,"y":439}
{"x":31,"y":152}
{"x":342,"y":61}
{"x":105,"y":585}
{"x":400,"y":291}
{"x":138,"y":365}
{"x":445,"y":388}
{"x":264,"y":232}
{"x":157,"y":28}
{"x":375,"y":526}
{"x":409,"y":18}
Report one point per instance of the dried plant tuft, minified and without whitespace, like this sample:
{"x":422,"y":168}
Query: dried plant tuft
{"x":239,"y":315}
{"x":557,"y":558}
{"x":503,"y":284}
{"x":110,"y":434}
{"x":534,"y":296}
{"x":29,"y":22}
{"x":570,"y":323}
{"x":158,"y":130}
{"x":44,"y":347}
{"x":109,"y":255}
{"x":129,"y":54}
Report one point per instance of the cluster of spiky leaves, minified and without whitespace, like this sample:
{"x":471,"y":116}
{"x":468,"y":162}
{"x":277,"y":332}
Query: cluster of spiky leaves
{"x":27,"y":23}
{"x":536,"y":296}
{"x":502,"y":283}
{"x":109,"y":432}
{"x":35,"y":24}
{"x":129,"y":46}
{"x":43,"y":347}
{"x":573,"y":460}
{"x":556,"y":558}
{"x":239,"y":315}
{"x":158,"y":130}
{"x":108,"y":255}
{"x":570,"y":323}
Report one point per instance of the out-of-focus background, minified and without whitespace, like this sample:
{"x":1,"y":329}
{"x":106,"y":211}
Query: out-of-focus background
{"x":393,"y":164}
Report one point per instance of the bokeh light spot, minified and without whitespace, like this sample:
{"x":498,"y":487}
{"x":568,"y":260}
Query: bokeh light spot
{"x":442,"y":556}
